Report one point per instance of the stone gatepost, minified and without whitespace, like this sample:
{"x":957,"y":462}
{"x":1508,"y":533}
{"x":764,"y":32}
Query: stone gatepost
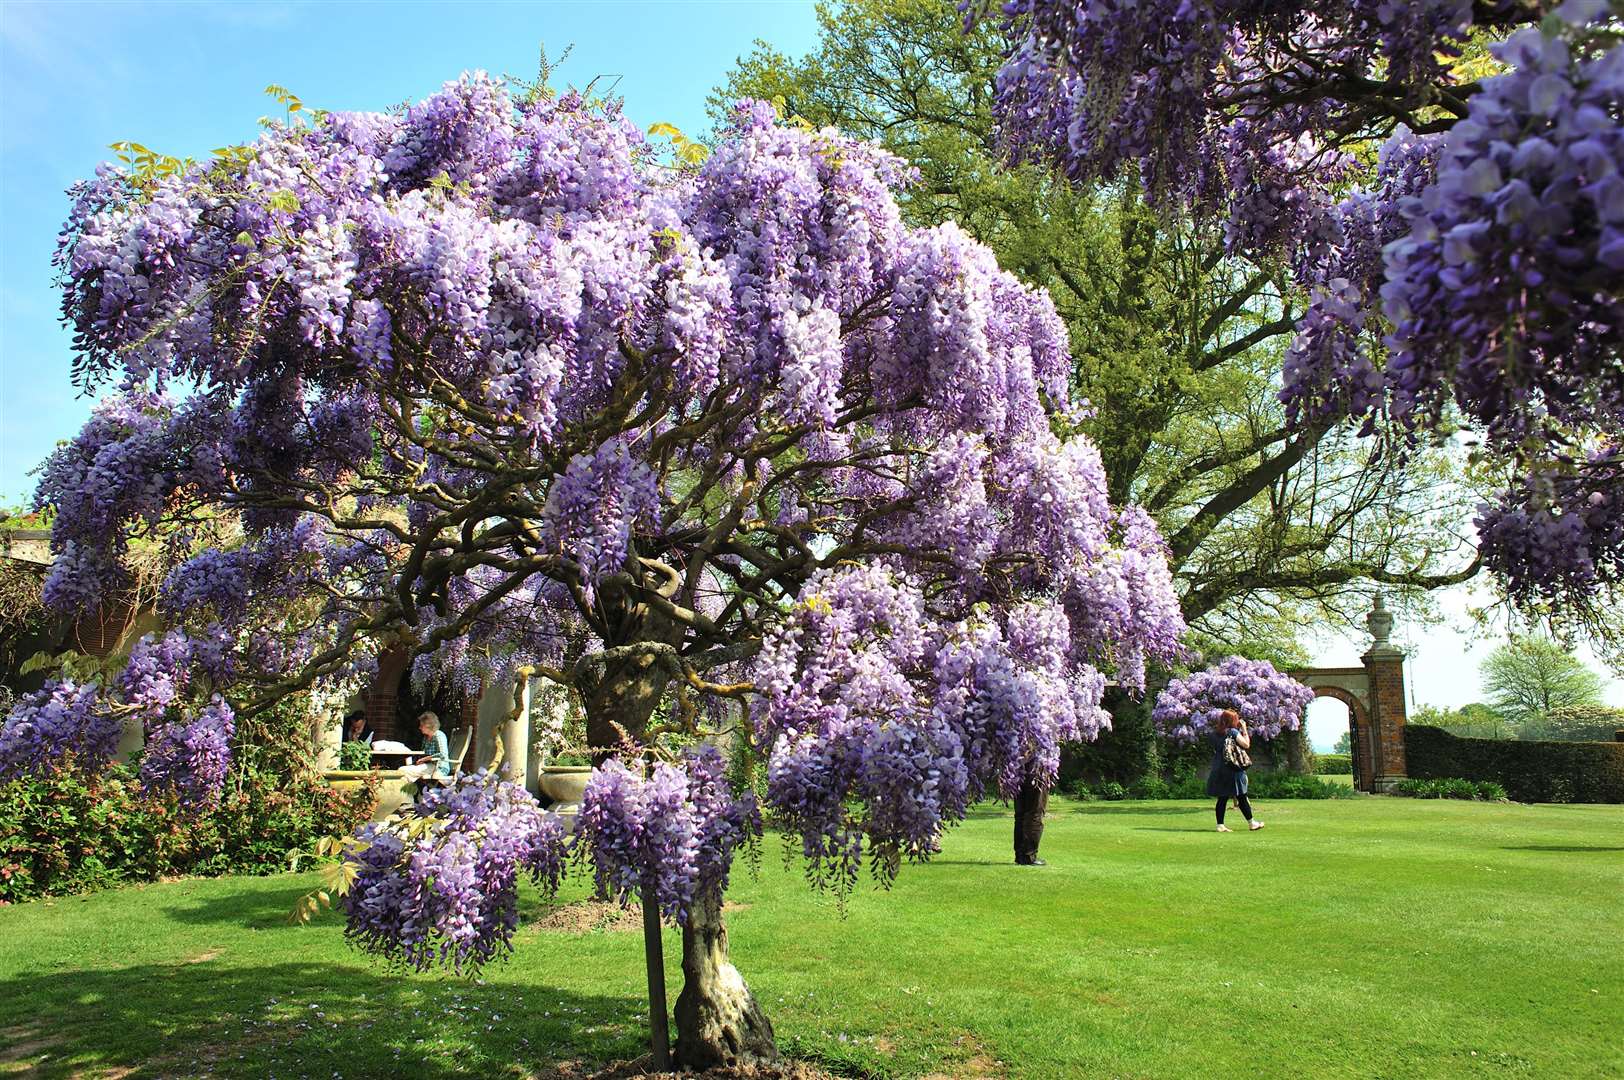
{"x":1384,"y":667}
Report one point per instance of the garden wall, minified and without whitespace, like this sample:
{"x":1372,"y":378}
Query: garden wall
{"x":1529,"y":771}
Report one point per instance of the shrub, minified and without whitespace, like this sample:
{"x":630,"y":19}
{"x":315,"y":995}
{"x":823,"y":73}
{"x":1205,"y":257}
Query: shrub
{"x":1128,"y":752}
{"x":1450,"y":787}
{"x":1526,"y":771}
{"x":67,"y":832}
{"x":1185,"y":783}
{"x":355,"y":756}
{"x":1290,"y":785}
{"x":1333,"y":764}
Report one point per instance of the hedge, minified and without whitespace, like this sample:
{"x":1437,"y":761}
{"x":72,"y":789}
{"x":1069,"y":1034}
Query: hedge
{"x":1333,"y":764}
{"x":1591,"y":772}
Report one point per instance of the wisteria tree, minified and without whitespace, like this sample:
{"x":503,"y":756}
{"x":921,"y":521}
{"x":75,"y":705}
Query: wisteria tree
{"x":1270,"y":702}
{"x":487,"y":379}
{"x":1473,"y":270}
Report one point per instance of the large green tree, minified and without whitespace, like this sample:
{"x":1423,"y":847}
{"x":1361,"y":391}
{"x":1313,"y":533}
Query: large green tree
{"x":1177,"y":346}
{"x":1529,"y":678}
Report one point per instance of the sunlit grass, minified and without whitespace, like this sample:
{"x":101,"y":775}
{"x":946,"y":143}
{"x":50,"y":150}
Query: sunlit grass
{"x":1351,"y":938}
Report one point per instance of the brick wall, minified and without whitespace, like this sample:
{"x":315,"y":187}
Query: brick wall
{"x":383,"y":703}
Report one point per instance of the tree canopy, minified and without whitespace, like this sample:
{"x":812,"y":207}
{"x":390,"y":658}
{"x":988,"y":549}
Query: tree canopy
{"x":1471,"y":269}
{"x":491,"y":380}
{"x":1176,"y":341}
{"x":1530,"y":678}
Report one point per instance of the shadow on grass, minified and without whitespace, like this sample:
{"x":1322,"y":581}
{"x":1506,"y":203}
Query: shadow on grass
{"x":1112,"y":808}
{"x":317,"y":1019}
{"x":257,"y":911}
{"x":1560,"y":847}
{"x":1009,"y":862}
{"x":1163,"y":828}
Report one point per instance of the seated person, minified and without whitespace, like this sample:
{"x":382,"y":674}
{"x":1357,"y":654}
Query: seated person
{"x":356,"y":728}
{"x":436,"y":762}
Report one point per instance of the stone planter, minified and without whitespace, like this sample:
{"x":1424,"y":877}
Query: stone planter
{"x":392,"y":784}
{"x":565,"y":783}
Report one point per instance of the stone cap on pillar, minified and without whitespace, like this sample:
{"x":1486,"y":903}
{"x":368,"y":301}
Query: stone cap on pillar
{"x":1380,"y":624}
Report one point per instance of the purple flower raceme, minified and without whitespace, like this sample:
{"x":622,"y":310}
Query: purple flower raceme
{"x":62,"y":719}
{"x":673,"y":833}
{"x":1562,"y":535}
{"x":1270,"y":702}
{"x":444,"y":889}
{"x":1476,"y":273}
{"x":189,"y":758}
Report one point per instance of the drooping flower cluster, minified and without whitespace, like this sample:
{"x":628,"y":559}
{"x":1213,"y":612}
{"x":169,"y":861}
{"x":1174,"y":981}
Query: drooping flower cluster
{"x":1562,"y":535}
{"x":881,"y":725}
{"x":61,"y":720}
{"x":671,"y":835}
{"x":1506,"y":289}
{"x":448,"y":893}
{"x":1478,"y":270}
{"x":1270,"y":702}
{"x":189,"y":758}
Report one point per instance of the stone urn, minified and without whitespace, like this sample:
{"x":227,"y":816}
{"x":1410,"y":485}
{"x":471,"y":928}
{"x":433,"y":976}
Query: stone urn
{"x":392,"y":784}
{"x":564,"y":783}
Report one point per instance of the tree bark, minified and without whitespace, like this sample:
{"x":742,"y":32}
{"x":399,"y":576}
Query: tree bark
{"x":1031,"y":802}
{"x":1296,"y":747}
{"x":719,"y":1022}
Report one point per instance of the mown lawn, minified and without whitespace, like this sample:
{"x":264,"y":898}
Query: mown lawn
{"x":1351,"y":938}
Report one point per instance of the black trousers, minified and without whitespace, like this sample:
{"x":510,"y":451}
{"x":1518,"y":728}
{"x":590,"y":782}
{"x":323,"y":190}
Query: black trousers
{"x":1030,"y":804}
{"x":1240,"y":801}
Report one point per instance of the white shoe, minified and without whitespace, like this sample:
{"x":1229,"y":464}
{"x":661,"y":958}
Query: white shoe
{"x":1224,"y":828}
{"x":1256,"y":825}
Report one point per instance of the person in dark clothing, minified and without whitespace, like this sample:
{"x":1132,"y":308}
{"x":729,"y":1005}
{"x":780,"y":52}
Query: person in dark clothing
{"x":1225,"y":781}
{"x":1030,"y":804}
{"x":356,"y":728}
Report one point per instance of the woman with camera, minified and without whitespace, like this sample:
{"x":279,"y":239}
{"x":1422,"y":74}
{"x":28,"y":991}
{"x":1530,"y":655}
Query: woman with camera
{"x":1227,"y":778}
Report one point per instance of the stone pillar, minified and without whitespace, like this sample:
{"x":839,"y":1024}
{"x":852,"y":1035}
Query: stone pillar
{"x":327,"y":735}
{"x":1384,"y":668}
{"x":516,"y":733}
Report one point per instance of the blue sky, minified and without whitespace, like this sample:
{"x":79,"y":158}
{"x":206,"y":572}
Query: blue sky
{"x":186,"y":77}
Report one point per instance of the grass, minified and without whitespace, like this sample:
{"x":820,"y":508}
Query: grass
{"x":1345,"y":779}
{"x":1362,"y":938}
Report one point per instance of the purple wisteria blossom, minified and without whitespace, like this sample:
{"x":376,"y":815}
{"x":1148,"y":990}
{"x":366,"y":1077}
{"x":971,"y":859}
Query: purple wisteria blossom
{"x":1473,"y":274}
{"x":448,"y":892}
{"x":189,"y":758}
{"x":1187,"y":708}
{"x":484,"y":382}
{"x":62,"y":721}
{"x":672,"y":834}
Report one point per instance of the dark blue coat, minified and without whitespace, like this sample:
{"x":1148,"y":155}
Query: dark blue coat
{"x":1223,"y":779}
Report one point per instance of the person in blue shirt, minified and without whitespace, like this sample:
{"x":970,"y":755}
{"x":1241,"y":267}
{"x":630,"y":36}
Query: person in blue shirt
{"x":436,"y":751}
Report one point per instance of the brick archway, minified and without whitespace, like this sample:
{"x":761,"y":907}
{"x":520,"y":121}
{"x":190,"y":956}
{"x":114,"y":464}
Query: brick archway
{"x":1364,"y":768}
{"x":1374,"y":695}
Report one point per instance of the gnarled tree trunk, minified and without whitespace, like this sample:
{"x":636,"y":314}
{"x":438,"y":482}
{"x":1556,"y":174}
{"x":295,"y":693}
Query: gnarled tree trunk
{"x":718,"y":1020}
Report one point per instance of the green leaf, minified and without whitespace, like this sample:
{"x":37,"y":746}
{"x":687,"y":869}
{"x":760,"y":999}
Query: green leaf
{"x":245,"y":238}
{"x":668,"y":130}
{"x":283,"y":200}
